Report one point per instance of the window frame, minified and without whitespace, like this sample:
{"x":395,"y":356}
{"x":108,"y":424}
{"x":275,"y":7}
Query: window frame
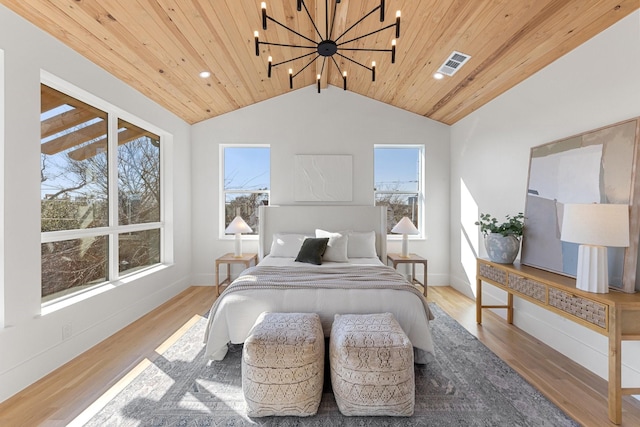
{"x":113,"y":230}
{"x":223,"y":193}
{"x":420,"y":191}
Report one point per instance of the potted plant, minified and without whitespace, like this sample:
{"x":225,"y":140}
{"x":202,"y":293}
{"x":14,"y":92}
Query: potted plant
{"x":502,"y":241}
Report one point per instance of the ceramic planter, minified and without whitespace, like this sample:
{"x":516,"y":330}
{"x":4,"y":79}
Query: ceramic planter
{"x":502,"y":249}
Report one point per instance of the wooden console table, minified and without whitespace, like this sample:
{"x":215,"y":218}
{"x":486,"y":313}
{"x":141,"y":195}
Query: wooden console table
{"x":615,"y":314}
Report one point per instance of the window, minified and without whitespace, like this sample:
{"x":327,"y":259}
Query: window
{"x":398,"y":175}
{"x":245,"y":177}
{"x":100,"y":196}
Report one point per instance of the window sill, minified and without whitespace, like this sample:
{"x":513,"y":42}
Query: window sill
{"x":398,"y":237}
{"x":56,"y":305}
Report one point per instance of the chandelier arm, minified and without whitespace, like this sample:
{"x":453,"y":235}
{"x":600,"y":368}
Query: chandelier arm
{"x":369,"y":34}
{"x":290,"y":29}
{"x":293,"y":59}
{"x":309,"y":63}
{"x":336,"y":64}
{"x":288,"y":45}
{"x":344,"y":76}
{"x":326,"y":20}
{"x":357,"y":22}
{"x":333,"y":19}
{"x":312,"y":21}
{"x":354,"y":61}
{"x":367,"y":50}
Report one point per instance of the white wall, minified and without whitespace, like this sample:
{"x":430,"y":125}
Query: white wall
{"x":305,"y":122}
{"x":31,"y":345}
{"x":595,"y":85}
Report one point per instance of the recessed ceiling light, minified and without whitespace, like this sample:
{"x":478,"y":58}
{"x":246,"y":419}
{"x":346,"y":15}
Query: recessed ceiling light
{"x":205,"y":74}
{"x":438,"y":76}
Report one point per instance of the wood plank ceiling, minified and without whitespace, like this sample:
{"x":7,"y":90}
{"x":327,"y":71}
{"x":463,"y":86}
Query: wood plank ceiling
{"x":160,"y":46}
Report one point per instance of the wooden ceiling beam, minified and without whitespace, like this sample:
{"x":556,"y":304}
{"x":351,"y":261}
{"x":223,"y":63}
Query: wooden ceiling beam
{"x":75,"y":138}
{"x":100,"y":146}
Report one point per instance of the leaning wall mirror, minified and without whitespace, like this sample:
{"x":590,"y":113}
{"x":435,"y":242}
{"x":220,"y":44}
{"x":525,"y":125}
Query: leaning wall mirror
{"x":595,"y":167}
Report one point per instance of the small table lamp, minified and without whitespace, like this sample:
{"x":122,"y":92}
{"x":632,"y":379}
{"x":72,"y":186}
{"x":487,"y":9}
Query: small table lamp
{"x":237,"y":227}
{"x":594,"y":227}
{"x":406,"y":227}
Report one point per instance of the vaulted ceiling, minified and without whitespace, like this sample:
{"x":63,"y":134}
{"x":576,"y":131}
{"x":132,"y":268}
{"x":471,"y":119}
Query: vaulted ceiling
{"x":160,"y":46}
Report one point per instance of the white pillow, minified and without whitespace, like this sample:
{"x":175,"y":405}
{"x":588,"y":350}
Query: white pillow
{"x":337,"y":246}
{"x":362,"y":244}
{"x":286,"y":245}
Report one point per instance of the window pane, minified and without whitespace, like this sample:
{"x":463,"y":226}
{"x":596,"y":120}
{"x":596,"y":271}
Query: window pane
{"x":398,"y":206}
{"x":397,"y":169}
{"x":72,"y":265}
{"x":245,"y":205}
{"x":247,"y":168}
{"x":73,"y":179}
{"x":138,"y":250}
{"x":138,"y":175}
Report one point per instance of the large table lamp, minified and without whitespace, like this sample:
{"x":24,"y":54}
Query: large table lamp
{"x":594,"y":227}
{"x":405,"y":227}
{"x":237,"y":227}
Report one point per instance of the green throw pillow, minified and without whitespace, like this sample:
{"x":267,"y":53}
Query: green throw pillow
{"x":312,"y":250}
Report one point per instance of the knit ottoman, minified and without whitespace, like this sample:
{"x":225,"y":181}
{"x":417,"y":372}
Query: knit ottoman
{"x":371,"y":362}
{"x":283,"y":365}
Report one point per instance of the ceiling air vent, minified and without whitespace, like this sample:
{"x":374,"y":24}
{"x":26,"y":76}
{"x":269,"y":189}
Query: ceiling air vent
{"x":453,"y":63}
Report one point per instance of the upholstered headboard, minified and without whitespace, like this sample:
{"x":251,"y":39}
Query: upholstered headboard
{"x":305,"y":219}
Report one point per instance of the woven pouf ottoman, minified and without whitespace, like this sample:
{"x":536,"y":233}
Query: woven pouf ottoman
{"x":283,"y":365}
{"x":371,"y":361}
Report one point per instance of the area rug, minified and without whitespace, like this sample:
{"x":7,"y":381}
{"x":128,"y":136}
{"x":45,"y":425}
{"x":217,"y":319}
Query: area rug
{"x":466,"y":385}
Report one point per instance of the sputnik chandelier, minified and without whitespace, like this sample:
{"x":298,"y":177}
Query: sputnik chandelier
{"x":328,"y":46}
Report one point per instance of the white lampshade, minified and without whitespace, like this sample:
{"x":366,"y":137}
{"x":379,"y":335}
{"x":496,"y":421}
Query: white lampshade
{"x":596,"y":224}
{"x":405,"y":227}
{"x":237,"y":227}
{"x":594,"y":227}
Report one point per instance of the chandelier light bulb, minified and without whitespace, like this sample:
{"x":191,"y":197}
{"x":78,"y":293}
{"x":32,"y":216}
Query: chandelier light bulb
{"x":393,"y":51}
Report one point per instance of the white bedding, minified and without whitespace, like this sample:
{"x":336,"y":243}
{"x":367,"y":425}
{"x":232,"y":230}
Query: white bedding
{"x":236,"y":310}
{"x":290,"y":262}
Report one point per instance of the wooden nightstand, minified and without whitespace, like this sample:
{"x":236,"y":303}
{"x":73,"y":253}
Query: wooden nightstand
{"x":412,"y":259}
{"x":229,"y":259}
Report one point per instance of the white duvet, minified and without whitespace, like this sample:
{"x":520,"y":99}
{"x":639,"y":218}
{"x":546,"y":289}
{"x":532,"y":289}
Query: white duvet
{"x":282,"y":285}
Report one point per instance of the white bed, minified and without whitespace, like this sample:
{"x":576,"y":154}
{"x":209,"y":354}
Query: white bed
{"x":279,"y":284}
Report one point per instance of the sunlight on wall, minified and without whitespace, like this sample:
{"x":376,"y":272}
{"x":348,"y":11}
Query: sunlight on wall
{"x":469,"y":240}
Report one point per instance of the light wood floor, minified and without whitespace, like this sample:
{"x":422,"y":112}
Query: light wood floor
{"x":64,"y":394}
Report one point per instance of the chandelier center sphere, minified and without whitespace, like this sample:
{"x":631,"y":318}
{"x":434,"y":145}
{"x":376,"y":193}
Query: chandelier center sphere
{"x":327,"y":48}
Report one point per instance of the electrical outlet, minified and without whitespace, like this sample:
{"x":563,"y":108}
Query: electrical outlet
{"x":67,"y":331}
